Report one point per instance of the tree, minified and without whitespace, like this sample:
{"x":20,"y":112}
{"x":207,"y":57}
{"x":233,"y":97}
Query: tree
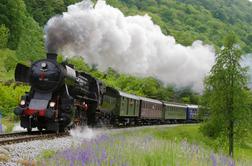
{"x":12,"y":16}
{"x":31,"y":43}
{"x":225,"y":93}
{"x":4,"y":34}
{"x":43,"y":10}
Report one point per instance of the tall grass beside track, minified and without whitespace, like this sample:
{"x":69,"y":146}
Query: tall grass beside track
{"x":161,"y":146}
{"x":8,"y":124}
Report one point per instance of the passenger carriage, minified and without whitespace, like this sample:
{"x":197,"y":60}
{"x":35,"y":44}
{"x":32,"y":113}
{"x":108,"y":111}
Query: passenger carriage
{"x":174,"y":112}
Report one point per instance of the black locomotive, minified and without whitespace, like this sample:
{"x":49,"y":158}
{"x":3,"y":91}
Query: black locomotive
{"x":59,"y":97}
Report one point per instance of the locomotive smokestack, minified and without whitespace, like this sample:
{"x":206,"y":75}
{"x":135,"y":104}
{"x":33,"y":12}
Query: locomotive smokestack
{"x":52,"y":56}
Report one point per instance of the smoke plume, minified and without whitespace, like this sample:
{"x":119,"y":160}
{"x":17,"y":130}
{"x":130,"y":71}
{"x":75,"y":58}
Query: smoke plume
{"x":129,"y":44}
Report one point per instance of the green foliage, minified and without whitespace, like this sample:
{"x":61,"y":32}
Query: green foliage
{"x":8,"y":122}
{"x":225,"y":95}
{"x":12,"y":16}
{"x":47,"y":154}
{"x":187,"y":132}
{"x":79,"y":64}
{"x":25,"y":34}
{"x":4,"y":35}
{"x":190,"y":20}
{"x":192,"y":134}
{"x":43,"y":10}
{"x":7,"y":64}
{"x":186,"y":95}
{"x":31,"y":43}
{"x":148,"y":86}
{"x":10,"y":97}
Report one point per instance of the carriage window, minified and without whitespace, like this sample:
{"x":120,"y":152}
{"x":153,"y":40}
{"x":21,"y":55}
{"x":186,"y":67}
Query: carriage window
{"x":131,"y":102}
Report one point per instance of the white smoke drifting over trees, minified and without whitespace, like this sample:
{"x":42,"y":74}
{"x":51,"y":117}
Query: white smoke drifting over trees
{"x":128,"y":44}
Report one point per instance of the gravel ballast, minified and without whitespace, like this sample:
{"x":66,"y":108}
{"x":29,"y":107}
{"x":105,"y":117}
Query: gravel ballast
{"x":30,"y":150}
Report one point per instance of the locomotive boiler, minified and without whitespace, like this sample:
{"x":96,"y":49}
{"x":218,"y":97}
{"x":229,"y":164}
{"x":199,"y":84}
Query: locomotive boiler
{"x":59,"y":97}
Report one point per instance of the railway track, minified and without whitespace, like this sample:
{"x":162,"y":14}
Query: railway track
{"x":12,"y":138}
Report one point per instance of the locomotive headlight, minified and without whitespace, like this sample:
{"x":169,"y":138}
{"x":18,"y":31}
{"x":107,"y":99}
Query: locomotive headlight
{"x":52,"y":104}
{"x":22,"y":103}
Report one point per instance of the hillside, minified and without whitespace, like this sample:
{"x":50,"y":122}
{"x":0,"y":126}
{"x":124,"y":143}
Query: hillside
{"x":22,"y":23}
{"x":189,"y":20}
{"x":186,"y":20}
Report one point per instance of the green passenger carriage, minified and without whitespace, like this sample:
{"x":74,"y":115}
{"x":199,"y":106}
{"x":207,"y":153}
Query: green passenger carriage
{"x":174,"y":112}
{"x":126,"y":109}
{"x":122,"y":107}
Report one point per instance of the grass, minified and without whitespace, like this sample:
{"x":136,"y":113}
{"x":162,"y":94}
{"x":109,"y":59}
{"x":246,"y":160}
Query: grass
{"x":192,"y":135}
{"x":161,"y":146}
{"x":8,"y":124}
{"x":47,"y":154}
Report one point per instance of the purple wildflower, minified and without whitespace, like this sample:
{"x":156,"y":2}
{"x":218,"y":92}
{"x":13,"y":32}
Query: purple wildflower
{"x":111,"y":162}
{"x":84,"y":156}
{"x":104,"y":154}
{"x":231,"y":163}
{"x":213,"y":160}
{"x":223,"y":159}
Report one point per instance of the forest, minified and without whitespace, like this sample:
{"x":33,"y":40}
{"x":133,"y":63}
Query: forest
{"x":22,"y":28}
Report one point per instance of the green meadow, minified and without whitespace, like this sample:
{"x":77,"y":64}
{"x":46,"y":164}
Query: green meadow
{"x":158,"y":146}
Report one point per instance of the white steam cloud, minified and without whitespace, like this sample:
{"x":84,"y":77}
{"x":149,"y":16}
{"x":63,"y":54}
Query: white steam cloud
{"x":128,"y":44}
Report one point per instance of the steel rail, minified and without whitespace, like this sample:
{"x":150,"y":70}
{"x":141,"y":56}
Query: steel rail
{"x":27,"y":137}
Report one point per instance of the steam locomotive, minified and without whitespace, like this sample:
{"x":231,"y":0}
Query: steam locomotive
{"x":61,"y":97}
